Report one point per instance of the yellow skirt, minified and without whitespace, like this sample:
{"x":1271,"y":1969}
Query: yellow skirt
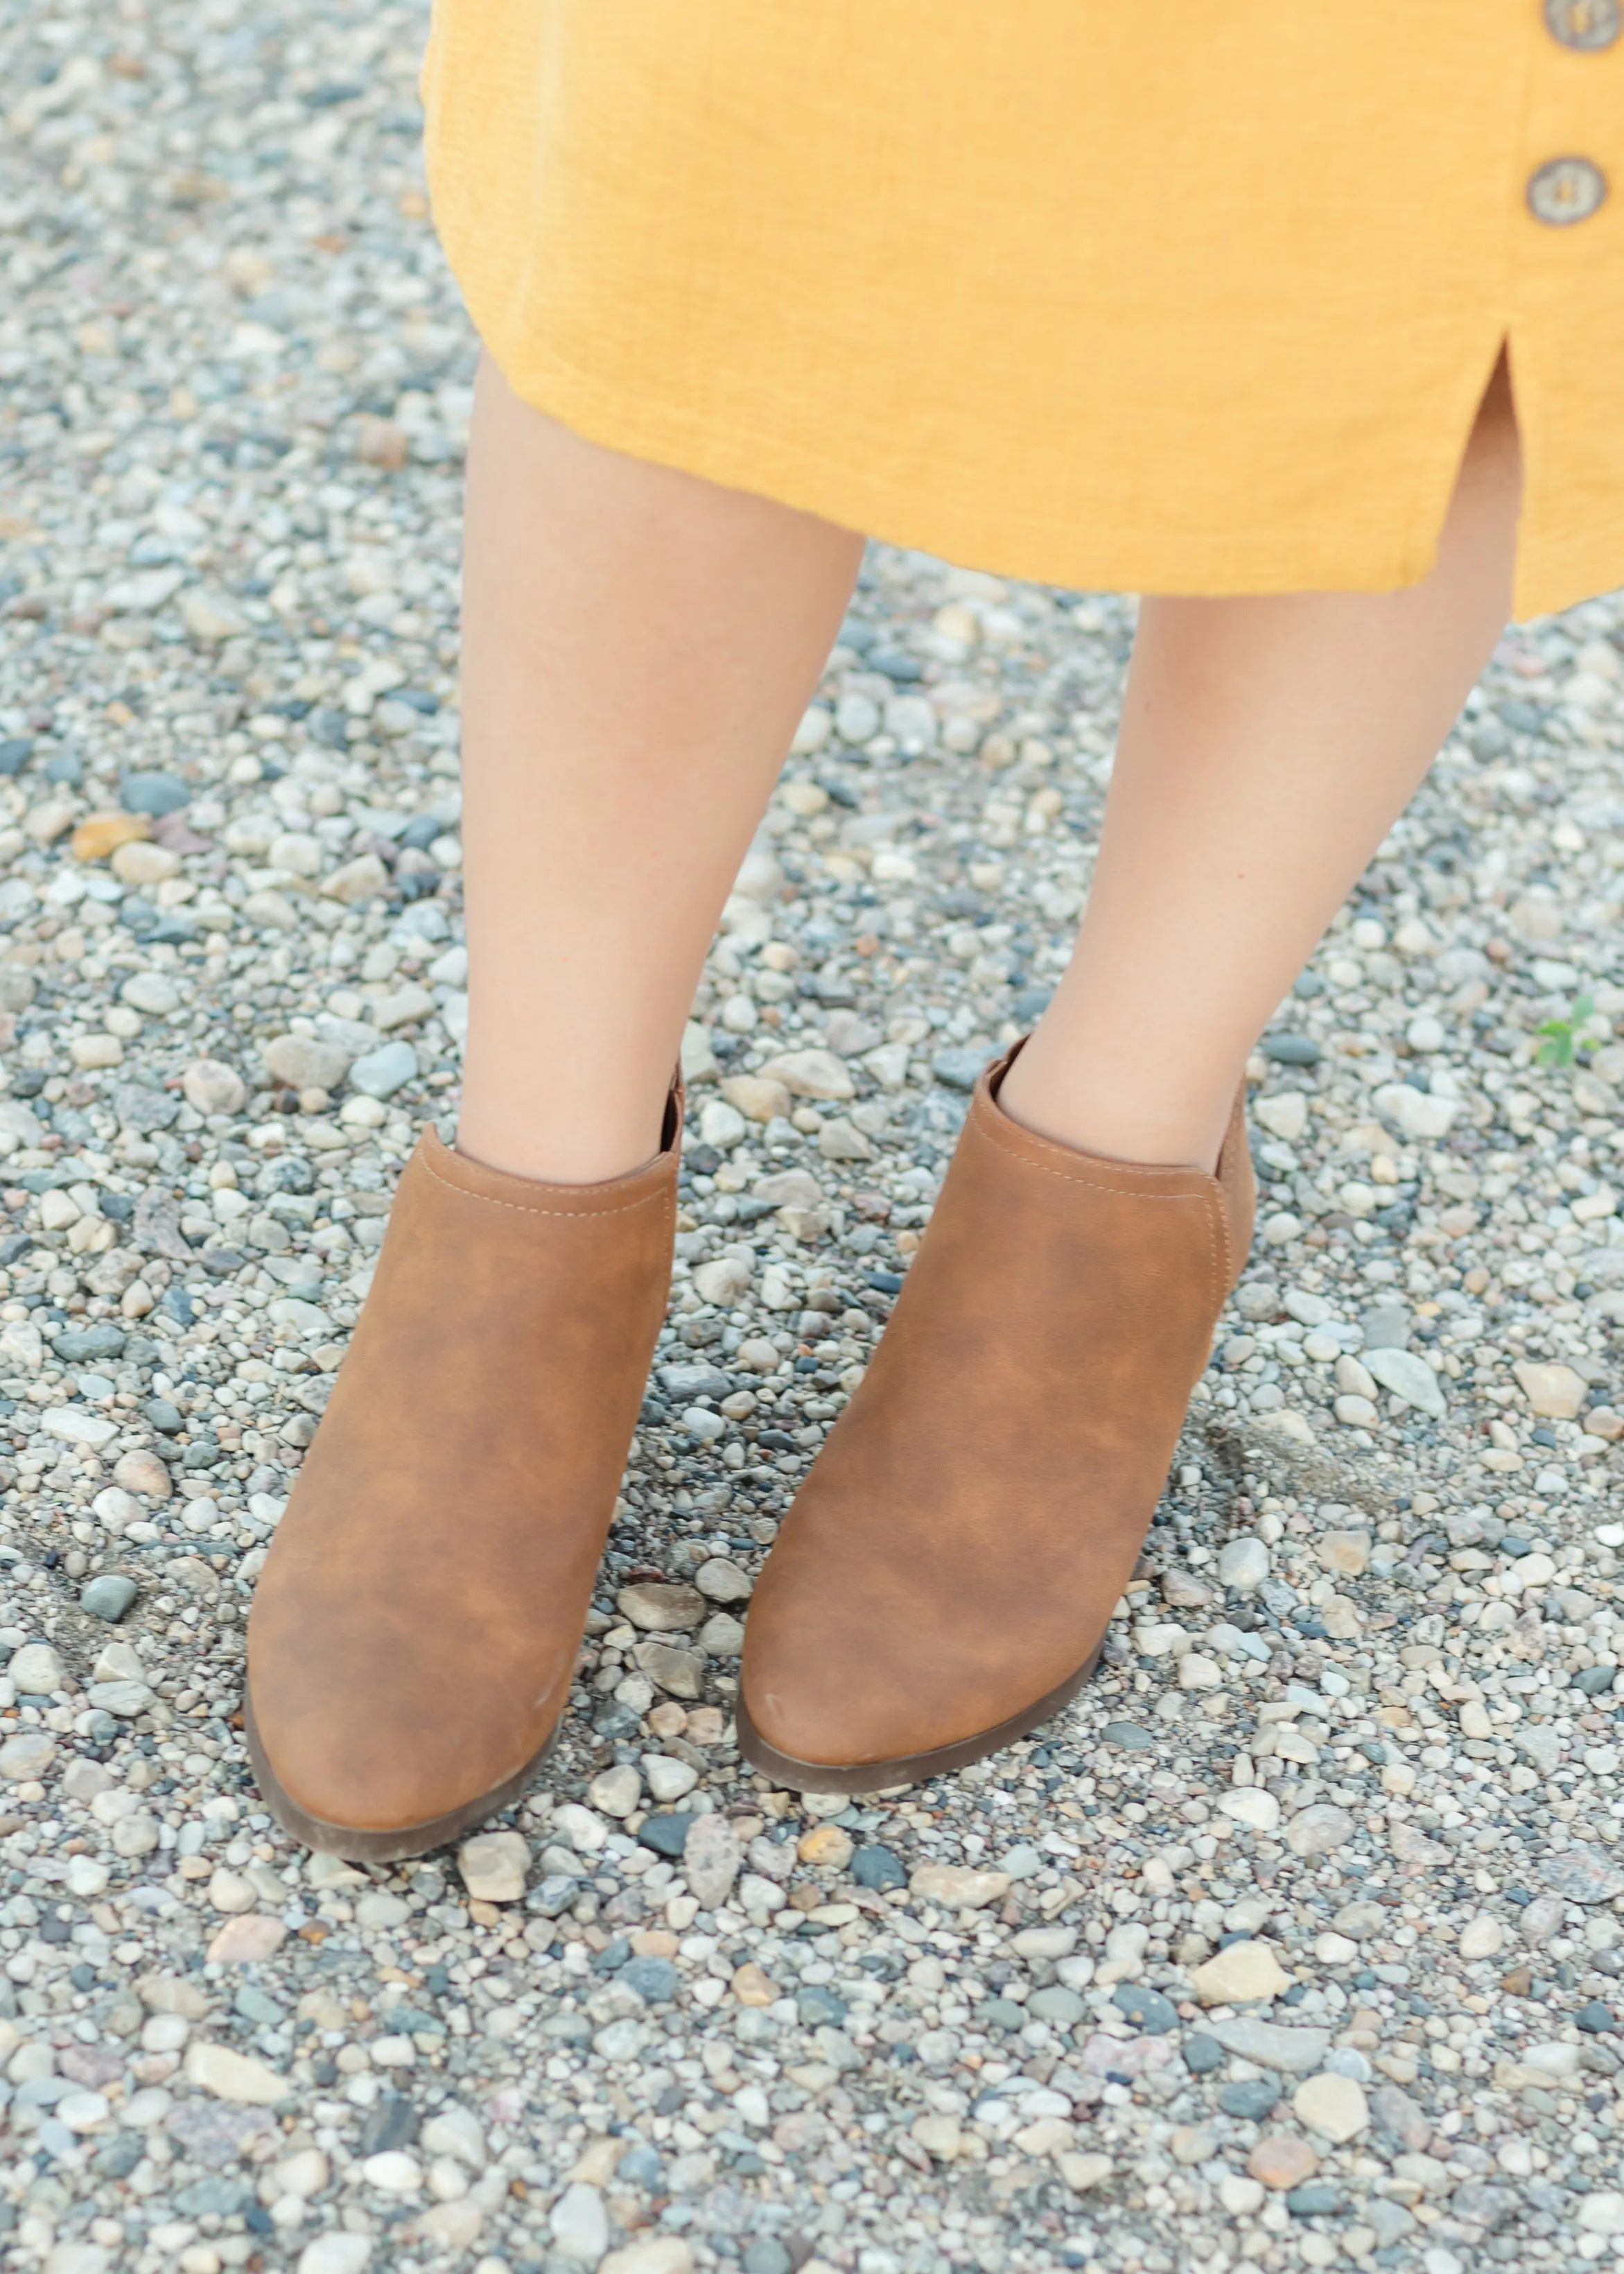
{"x":1178,"y":296}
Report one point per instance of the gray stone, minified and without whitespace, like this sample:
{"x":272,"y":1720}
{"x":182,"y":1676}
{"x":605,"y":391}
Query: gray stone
{"x":153,"y":794}
{"x":1057,"y":2004}
{"x":960,"y":1069}
{"x":1403,"y":2120}
{"x":1242,"y":1564}
{"x":382,"y":1072}
{"x":1297,"y":2052}
{"x":711,"y":1859}
{"x":142,"y":1110}
{"x":879,"y":1868}
{"x":1319,"y":1829}
{"x":1409,"y":1378}
{"x":37,"y":1670}
{"x":303,"y":1063}
{"x":123,"y":1699}
{"x":579,"y":2225}
{"x":107,"y":1596}
{"x":1251,"y":2099}
{"x":1582,"y":1874}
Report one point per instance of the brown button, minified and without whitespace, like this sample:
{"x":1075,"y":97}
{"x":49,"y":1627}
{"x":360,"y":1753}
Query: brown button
{"x":1587,"y":24}
{"x":1566,"y":190}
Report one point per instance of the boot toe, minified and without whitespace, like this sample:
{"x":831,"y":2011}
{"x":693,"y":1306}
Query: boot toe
{"x":804,"y":1705}
{"x":354,"y":1764}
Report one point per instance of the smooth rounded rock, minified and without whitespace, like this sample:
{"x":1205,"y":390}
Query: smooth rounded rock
{"x":1319,"y":1829}
{"x":1253,"y":1805}
{"x":1334,"y":2106}
{"x":668,"y":1780}
{"x":37,"y":1670}
{"x":213,"y":1087}
{"x":579,"y":2225}
{"x":107,"y":1596}
{"x":617,"y":1790}
{"x":1242,"y":1565}
{"x":494,"y":1866}
{"x":1282,"y":2161}
{"x":1483,"y":1937}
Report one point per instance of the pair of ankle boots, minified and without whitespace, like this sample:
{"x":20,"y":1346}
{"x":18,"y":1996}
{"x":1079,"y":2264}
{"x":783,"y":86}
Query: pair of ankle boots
{"x":942,"y":1584}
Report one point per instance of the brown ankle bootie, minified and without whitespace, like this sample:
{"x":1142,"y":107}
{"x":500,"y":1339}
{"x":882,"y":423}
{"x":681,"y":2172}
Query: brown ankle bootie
{"x":945,"y":1577}
{"x":416,"y":1626}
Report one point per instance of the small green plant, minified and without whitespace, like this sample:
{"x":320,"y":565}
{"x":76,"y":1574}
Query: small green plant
{"x":1562,"y":1039}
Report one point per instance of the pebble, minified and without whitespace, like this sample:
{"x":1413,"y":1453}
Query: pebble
{"x":660,"y":1608}
{"x":248,"y":1941}
{"x":1583,"y":1874}
{"x":960,"y":1885}
{"x":1242,"y":1565}
{"x":615,"y":1791}
{"x":1148,"y":2009}
{"x":579,"y":2225}
{"x":1556,"y":1392}
{"x":661,"y":2253}
{"x":1271,"y":2046}
{"x":1334,"y":2106}
{"x":1241,"y":1974}
{"x":878,"y":1868}
{"x":381,"y":1072}
{"x":1319,"y":1829}
{"x":1251,"y":2099}
{"x":1282,"y":2161}
{"x":668,"y":1780}
{"x":711,"y":1859}
{"x":37,"y":1670}
{"x":1254,"y":1806}
{"x":26,"y":1759}
{"x":811,"y":1073}
{"x":213,"y":1087}
{"x":493,"y":1866}
{"x":1407,"y":1377}
{"x":665,"y":1833}
{"x":108,"y":1597}
{"x":721,"y":1581}
{"x":233,"y":2076}
{"x":335,"y":2252}
{"x":1346,"y":1553}
{"x":1483,"y":1937}
{"x":301,"y":1063}
{"x":828,"y":1844}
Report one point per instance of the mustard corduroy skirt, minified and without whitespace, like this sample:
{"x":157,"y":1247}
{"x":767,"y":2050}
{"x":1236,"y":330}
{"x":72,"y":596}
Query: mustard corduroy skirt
{"x":1178,"y":296}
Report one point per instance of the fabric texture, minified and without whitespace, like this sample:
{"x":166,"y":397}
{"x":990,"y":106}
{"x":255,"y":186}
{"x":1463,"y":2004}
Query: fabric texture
{"x":1185,"y":296}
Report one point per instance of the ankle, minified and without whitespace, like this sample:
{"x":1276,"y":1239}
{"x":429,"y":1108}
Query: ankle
{"x":1144,"y":1124}
{"x":588,"y":1147}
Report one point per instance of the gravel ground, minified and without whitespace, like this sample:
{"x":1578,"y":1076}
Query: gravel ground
{"x":1298,"y":1941}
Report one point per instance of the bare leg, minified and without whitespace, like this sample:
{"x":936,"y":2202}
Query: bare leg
{"x":638,"y":647}
{"x":1266,"y":746}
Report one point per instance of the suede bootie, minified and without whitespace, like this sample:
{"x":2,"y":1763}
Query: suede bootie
{"x":416,"y":1627}
{"x":944,"y":1579}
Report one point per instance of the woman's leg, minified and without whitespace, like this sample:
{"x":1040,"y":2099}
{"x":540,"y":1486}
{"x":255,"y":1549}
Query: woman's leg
{"x":949,"y":1568}
{"x":638,"y":647}
{"x":1266,"y":746}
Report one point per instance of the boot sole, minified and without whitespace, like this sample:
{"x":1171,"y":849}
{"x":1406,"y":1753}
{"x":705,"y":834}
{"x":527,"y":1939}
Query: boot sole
{"x":394,"y":1846}
{"x":791,"y":1776}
